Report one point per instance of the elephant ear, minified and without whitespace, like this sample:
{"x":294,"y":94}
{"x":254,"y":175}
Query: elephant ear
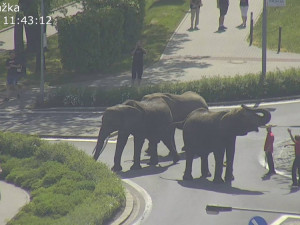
{"x":230,"y":121}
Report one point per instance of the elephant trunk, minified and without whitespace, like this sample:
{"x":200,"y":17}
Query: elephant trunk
{"x":101,"y":143}
{"x":265,"y":118}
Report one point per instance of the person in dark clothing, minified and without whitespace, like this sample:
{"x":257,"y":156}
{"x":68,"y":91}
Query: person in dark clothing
{"x":244,"y":5}
{"x":296,"y":163}
{"x":14,"y":69}
{"x":137,"y":63}
{"x":268,"y":148}
{"x":223,"y":6}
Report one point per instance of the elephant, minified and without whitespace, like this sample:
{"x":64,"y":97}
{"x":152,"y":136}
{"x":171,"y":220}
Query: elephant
{"x":150,"y":120}
{"x":180,"y":105}
{"x":205,"y":131}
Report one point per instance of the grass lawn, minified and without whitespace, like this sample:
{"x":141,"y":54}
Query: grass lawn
{"x":285,"y":17}
{"x":162,"y":18}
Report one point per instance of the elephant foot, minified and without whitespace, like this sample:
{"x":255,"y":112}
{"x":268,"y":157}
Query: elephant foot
{"x":136,"y":167}
{"x":176,"y":158}
{"x":229,"y":179}
{"x":187,"y":177}
{"x":208,"y":174}
{"x":116,"y":168}
{"x":153,"y":162}
{"x":218,"y":180}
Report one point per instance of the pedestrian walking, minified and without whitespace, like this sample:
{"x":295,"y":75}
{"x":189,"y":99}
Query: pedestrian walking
{"x":14,"y":70}
{"x":137,"y":63}
{"x":268,"y":148}
{"x":223,"y":6}
{"x":244,"y":5}
{"x":296,"y":163}
{"x":195,"y":12}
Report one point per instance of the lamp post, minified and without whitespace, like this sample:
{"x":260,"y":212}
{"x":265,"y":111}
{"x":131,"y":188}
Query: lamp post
{"x":264,"y":42}
{"x":42,"y":53}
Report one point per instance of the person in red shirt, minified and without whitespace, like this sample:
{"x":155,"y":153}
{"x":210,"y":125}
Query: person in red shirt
{"x":296,"y":163}
{"x":268,"y":148}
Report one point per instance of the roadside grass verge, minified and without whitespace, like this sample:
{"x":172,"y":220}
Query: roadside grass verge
{"x":213,"y":89}
{"x":66,"y":186}
{"x":285,"y":17}
{"x":161,"y":19}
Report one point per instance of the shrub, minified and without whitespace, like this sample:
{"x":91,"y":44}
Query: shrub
{"x":91,"y":41}
{"x":64,"y":183}
{"x":215,"y":89}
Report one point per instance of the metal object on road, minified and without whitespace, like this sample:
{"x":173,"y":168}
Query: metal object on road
{"x":216,"y":209}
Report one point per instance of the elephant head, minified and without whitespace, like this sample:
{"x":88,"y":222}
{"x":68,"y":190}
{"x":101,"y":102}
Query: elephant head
{"x":116,"y":118}
{"x":239,"y":122}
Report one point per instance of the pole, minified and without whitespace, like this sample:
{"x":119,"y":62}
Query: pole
{"x":42,"y":53}
{"x":279,"y":40}
{"x":264,"y":42}
{"x":251,"y":29}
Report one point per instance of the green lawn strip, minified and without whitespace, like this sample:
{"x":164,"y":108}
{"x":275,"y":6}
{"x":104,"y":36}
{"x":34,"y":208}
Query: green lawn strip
{"x":285,"y":17}
{"x":213,"y":89}
{"x":67,"y":187}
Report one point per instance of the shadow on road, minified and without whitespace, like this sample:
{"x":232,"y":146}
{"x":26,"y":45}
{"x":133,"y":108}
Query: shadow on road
{"x":205,"y":184}
{"x":145,"y":171}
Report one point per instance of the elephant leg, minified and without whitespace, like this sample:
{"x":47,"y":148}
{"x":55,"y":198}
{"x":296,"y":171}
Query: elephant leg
{"x":169,"y":142}
{"x":153,"y":152}
{"x":188,"y":166}
{"x":204,"y":166}
{"x":138,"y":144}
{"x":171,"y":135}
{"x":219,"y":158}
{"x":148,"y":149}
{"x":230,"y":151}
{"x":121,"y":142}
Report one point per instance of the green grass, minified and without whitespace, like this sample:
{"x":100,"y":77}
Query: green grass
{"x":287,"y":18}
{"x":66,"y":186}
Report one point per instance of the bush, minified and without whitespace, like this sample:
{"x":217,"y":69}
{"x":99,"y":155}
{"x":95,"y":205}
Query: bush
{"x":91,"y":41}
{"x":64,"y":183}
{"x":95,"y":39}
{"x":215,"y":89}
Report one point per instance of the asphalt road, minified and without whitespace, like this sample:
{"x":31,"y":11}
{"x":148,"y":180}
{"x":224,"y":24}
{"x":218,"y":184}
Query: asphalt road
{"x":180,"y":202}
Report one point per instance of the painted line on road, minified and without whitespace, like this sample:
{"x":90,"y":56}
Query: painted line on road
{"x":94,"y":140}
{"x":283,"y":218}
{"x":260,"y":104}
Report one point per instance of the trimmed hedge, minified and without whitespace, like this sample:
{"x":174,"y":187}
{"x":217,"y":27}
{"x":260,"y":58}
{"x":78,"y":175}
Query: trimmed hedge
{"x":215,"y":89}
{"x":96,"y":38}
{"x":67,"y":187}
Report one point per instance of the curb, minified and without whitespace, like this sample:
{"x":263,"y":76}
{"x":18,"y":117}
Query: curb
{"x":127,"y":211}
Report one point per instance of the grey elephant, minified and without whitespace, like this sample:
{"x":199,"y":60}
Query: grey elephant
{"x":150,"y":120}
{"x":206,"y":131}
{"x":180,"y":105}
